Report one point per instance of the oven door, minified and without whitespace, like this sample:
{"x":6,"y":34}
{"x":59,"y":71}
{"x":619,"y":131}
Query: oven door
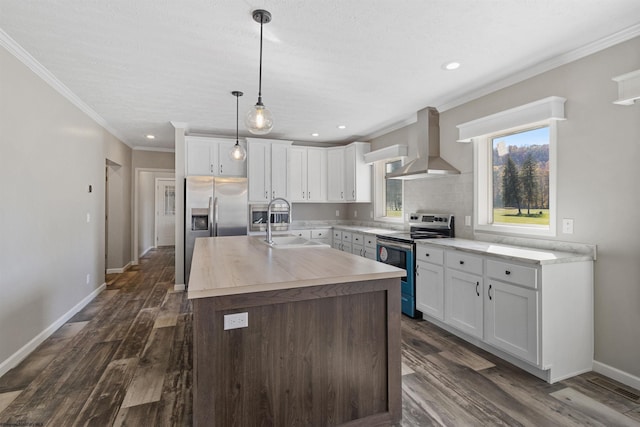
{"x":401,"y":255}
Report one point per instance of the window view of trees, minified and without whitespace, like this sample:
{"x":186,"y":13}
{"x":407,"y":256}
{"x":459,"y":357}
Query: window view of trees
{"x":521,"y":178}
{"x":393,"y":191}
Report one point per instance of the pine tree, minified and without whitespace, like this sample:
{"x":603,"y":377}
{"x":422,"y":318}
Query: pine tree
{"x":511,"y":185}
{"x":528,"y":182}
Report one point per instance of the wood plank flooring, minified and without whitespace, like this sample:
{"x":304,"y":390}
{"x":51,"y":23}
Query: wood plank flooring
{"x":125,"y":360}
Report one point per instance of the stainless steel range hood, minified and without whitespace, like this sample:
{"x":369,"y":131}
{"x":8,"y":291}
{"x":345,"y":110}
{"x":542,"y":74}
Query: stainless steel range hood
{"x":424,"y":147}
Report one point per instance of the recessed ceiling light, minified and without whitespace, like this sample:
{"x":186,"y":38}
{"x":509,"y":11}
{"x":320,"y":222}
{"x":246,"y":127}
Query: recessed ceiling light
{"x":315,"y":134}
{"x":342,"y":127}
{"x":450,"y":66}
{"x":151,"y":137}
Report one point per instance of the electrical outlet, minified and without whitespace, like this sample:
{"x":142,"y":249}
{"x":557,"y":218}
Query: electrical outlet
{"x":236,"y":320}
{"x":88,"y":279}
{"x":88,"y":217}
{"x":467,"y":220}
{"x":567,"y":225}
{"x":355,"y":214}
{"x":337,"y":212}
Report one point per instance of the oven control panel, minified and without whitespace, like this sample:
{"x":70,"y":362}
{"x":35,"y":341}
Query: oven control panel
{"x":430,"y":219}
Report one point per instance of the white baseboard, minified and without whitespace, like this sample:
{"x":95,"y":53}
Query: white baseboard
{"x":179,"y":287}
{"x":119,"y":270}
{"x":23,"y":352}
{"x":616,"y":374}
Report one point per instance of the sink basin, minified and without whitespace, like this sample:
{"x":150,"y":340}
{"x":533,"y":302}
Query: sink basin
{"x":286,"y":242}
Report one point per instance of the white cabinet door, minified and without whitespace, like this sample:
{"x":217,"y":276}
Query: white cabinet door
{"x":316,"y":174}
{"x":511,"y":319}
{"x":279,"y":170}
{"x":199,"y":161}
{"x":350,"y":173}
{"x":259,"y":171}
{"x":463,"y":296}
{"x":226,"y":165}
{"x":430,"y":289}
{"x":335,"y":174}
{"x":298,"y":174}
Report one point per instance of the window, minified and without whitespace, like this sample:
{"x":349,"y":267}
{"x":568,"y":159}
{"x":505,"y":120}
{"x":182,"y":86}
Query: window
{"x":515,"y":181}
{"x":388,"y":192}
{"x":515,"y":168}
{"x":520,"y":167}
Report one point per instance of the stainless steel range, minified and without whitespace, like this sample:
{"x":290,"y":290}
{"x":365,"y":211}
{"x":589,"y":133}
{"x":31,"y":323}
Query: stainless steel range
{"x":398,"y":249}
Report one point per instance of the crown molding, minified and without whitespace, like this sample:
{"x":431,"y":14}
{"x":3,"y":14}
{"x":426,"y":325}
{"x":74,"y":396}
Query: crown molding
{"x":41,"y":71}
{"x":550,"y":64}
{"x":160,"y":149}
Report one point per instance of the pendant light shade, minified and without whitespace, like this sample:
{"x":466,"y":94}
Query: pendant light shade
{"x":259,"y":120}
{"x":237,"y":152}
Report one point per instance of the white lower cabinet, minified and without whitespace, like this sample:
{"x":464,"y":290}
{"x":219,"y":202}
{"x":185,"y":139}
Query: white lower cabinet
{"x":538,"y":316}
{"x":464,"y":302}
{"x":357,"y":244}
{"x":511,"y":319}
{"x":430,"y":289}
{"x":370,"y":246}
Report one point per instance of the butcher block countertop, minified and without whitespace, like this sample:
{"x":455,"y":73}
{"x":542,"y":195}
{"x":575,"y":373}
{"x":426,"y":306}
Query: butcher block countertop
{"x":243,"y":264}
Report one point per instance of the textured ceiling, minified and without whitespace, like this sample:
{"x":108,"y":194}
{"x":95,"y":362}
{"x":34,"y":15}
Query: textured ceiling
{"x":367,"y":64}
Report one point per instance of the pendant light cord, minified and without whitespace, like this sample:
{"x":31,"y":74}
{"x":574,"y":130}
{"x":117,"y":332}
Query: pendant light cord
{"x":237,"y":115}
{"x":260,"y":75}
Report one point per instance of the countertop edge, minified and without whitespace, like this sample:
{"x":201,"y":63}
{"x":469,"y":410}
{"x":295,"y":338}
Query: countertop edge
{"x":267,"y":287}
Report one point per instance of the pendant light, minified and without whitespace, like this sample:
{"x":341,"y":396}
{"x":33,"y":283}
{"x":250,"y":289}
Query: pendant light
{"x":259,"y":120}
{"x":238,"y":152}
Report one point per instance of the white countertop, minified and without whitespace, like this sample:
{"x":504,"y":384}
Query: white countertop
{"x":509,"y":252}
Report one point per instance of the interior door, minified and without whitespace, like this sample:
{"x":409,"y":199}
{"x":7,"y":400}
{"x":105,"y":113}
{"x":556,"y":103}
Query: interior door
{"x":165,"y":212}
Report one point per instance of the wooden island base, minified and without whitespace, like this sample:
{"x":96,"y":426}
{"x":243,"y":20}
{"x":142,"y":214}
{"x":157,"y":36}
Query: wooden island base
{"x":319,"y":356}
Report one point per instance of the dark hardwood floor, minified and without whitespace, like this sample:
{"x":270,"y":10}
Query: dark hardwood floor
{"x":125,"y":360}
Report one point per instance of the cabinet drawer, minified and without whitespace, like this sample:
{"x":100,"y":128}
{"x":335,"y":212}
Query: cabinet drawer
{"x":337,"y":235}
{"x":517,"y":274}
{"x":430,"y":254}
{"x":347,"y":236}
{"x":370,"y":241}
{"x":302,"y":233}
{"x":320,"y":234}
{"x":357,"y":239}
{"x":464,"y":262}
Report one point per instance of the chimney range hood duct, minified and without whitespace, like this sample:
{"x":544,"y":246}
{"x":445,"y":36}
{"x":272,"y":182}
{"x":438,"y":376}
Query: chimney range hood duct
{"x":424,"y":144}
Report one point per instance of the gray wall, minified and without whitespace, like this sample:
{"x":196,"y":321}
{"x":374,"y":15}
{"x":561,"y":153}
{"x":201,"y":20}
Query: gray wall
{"x":598,"y":157}
{"x":49,"y":155}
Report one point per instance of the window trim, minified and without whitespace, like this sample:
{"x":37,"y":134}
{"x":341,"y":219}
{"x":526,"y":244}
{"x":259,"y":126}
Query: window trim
{"x":483,"y":184}
{"x":379,"y":197}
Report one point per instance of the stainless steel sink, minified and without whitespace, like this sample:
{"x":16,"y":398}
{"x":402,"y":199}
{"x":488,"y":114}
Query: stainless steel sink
{"x":288,"y":242}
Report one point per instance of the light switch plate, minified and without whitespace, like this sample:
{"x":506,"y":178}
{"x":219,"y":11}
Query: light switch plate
{"x":236,"y":320}
{"x":467,"y":220}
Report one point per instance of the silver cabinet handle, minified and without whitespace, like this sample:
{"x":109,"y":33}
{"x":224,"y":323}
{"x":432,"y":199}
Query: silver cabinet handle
{"x":221,"y":169}
{"x":274,"y":194}
{"x":342,"y":194}
{"x":478,"y":292}
{"x":266,"y":194}
{"x":309,"y":195}
{"x":489,"y":293}
{"x":353,"y":194}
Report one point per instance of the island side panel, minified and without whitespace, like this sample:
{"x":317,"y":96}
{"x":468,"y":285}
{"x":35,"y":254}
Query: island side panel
{"x":304,"y":359}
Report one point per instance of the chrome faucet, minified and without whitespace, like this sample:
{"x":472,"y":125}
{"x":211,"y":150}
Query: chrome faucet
{"x":269,"y":239}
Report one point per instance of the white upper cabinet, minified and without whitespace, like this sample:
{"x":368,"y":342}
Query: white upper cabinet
{"x":308,"y":174}
{"x":268,"y":165}
{"x":335,"y":174}
{"x":348,"y":176}
{"x":210,"y":157}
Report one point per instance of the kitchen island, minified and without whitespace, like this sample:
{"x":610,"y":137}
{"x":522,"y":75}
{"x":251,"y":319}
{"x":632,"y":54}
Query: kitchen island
{"x":322,"y":342}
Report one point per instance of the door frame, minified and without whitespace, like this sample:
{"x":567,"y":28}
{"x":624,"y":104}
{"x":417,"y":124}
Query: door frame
{"x":136,"y":196}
